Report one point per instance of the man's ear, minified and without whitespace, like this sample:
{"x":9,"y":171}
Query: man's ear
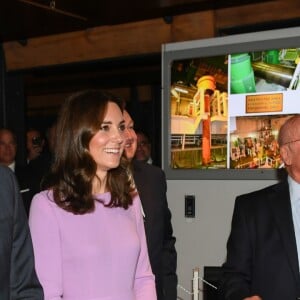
{"x":285,"y":157}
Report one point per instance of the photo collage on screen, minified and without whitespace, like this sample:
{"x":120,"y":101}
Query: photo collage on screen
{"x":226,"y":110}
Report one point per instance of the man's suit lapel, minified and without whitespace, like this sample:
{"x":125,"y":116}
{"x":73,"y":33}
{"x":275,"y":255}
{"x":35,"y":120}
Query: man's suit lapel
{"x":137,"y":175}
{"x":280,"y":203}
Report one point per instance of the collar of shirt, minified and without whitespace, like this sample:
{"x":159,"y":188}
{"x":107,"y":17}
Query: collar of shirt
{"x":12,"y":166}
{"x":294,"y":188}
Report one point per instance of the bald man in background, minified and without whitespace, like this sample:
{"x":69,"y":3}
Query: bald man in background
{"x":263,"y":248}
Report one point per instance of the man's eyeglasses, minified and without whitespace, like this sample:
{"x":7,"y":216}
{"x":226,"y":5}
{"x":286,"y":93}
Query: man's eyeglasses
{"x":290,"y":142}
{"x":142,"y":144}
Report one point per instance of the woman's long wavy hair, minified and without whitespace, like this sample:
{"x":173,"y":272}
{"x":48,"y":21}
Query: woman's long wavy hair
{"x":74,"y":170}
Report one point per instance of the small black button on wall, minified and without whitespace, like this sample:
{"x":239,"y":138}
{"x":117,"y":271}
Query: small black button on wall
{"x":189,"y":206}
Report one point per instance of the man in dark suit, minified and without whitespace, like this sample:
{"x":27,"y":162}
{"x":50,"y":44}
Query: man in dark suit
{"x":264,"y":244}
{"x":151,"y":185}
{"x":17,"y":274}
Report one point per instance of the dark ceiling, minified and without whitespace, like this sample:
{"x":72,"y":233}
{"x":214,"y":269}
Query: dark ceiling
{"x":24,"y":19}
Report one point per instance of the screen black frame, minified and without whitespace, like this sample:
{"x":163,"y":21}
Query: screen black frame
{"x":257,"y":41}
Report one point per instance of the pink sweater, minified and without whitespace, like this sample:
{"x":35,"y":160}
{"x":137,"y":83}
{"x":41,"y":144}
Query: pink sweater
{"x":97,"y":256}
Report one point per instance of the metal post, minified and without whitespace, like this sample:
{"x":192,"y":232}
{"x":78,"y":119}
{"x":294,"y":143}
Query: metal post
{"x":196,"y":284}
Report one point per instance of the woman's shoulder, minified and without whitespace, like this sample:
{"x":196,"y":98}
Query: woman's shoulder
{"x":45,"y":194}
{"x":43,"y":198}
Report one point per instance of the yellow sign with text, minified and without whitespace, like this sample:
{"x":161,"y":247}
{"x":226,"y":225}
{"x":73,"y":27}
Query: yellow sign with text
{"x":264,"y":103}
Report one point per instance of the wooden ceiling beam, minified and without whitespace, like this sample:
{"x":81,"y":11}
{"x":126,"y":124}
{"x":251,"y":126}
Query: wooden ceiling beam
{"x":139,"y":38}
{"x":257,"y":13}
{"x":106,"y":42}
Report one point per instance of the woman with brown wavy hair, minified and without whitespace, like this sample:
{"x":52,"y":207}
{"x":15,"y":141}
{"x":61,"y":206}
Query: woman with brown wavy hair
{"x":87,"y":227}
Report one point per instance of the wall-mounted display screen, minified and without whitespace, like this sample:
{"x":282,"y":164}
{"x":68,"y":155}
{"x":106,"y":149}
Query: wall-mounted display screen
{"x":224,"y":100}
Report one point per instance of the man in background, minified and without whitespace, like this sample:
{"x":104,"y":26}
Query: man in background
{"x":8,"y":148}
{"x":143,"y":150}
{"x":151,"y":185}
{"x":29,"y":176}
{"x":8,"y":151}
{"x":38,"y":162}
{"x":35,"y":144}
{"x":18,"y":279}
